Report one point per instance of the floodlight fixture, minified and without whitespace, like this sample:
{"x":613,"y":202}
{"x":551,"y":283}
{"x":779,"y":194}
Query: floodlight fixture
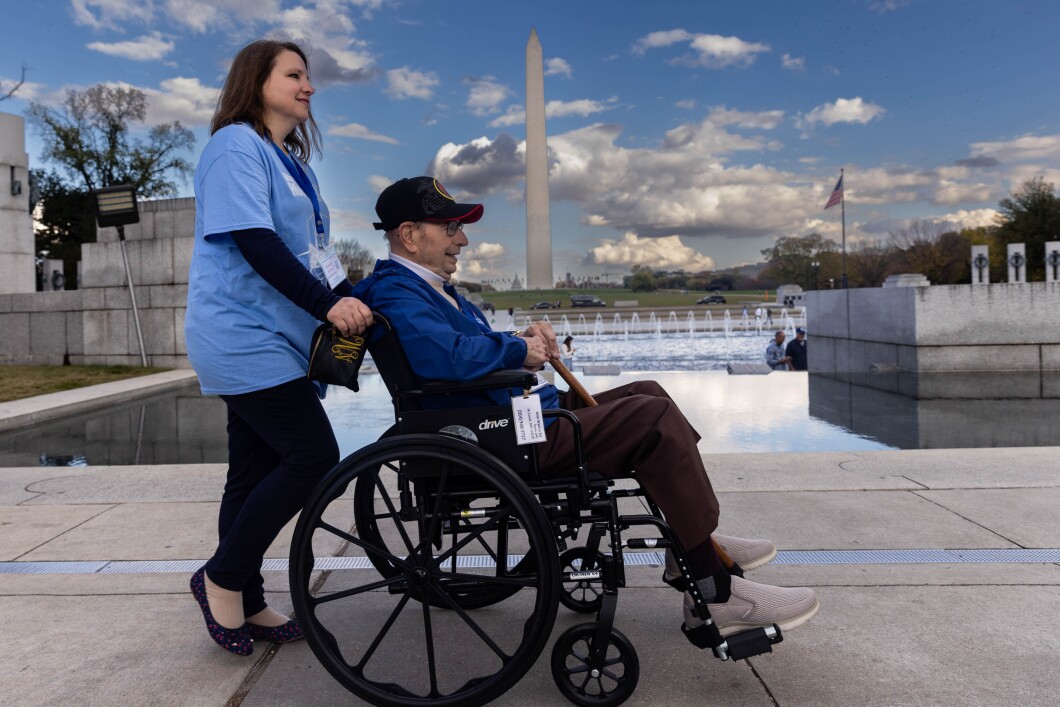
{"x":116,"y":208}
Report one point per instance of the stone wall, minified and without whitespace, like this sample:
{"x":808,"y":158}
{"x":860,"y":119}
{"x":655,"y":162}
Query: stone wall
{"x":95,"y":325}
{"x":17,"y":267}
{"x":941,"y":328}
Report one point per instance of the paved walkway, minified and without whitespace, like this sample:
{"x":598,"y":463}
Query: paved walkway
{"x":896,"y":633}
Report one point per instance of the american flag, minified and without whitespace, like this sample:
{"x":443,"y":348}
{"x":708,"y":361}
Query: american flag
{"x":837,"y":194}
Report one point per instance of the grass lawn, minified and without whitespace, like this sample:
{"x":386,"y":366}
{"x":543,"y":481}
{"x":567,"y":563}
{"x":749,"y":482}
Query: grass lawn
{"x":26,"y":381}
{"x":525,"y":298}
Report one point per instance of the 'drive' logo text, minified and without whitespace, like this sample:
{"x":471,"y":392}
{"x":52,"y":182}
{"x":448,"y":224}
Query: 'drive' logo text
{"x":492,"y":424}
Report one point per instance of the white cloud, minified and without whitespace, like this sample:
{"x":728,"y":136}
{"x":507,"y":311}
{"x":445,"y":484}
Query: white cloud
{"x":486,"y":95}
{"x":109,"y":14}
{"x":711,"y":50}
{"x":146,"y":48}
{"x":484,"y":251}
{"x":975,"y":218}
{"x":792,"y":63}
{"x":687,"y":104}
{"x":664,"y":253}
{"x":183,"y":99}
{"x":516,"y":114}
{"x":843,"y":110}
{"x":655,"y":40}
{"x":1026,"y":147}
{"x":949,"y":193}
{"x":359,"y":132}
{"x":483,"y":260}
{"x":378,"y":183}
{"x":557,"y":67}
{"x":335,"y":54}
{"x":405,"y":83}
{"x":766,"y":120}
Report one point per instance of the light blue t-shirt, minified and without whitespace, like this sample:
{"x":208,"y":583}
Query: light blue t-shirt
{"x":243,"y":335}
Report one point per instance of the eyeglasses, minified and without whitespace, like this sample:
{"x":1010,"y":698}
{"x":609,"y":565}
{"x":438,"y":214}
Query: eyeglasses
{"x":451,"y":227}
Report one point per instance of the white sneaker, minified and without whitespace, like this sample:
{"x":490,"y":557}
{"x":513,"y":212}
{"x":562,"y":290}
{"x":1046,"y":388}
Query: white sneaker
{"x":754,"y":605}
{"x":748,"y":553}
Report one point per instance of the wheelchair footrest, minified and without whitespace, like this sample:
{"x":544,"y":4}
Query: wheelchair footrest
{"x":737,"y":646}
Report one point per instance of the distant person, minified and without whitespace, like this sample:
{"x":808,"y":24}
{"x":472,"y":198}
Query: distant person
{"x":796,"y":350}
{"x":263,"y":276}
{"x":566,"y":353}
{"x":776,"y":357}
{"x":769,"y":317}
{"x":758,"y":316}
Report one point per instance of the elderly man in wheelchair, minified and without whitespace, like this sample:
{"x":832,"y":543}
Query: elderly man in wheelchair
{"x":487,"y":457}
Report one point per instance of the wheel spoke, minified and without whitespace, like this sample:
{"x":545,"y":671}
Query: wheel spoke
{"x":429,"y":637}
{"x":393,"y":512}
{"x":383,"y":631}
{"x":371,"y":549}
{"x":474,"y":626}
{"x":357,"y":590}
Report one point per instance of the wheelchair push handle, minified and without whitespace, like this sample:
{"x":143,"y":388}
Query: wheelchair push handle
{"x":573,"y":382}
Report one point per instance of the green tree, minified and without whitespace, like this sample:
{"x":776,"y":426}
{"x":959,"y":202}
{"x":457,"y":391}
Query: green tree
{"x":65,"y":219}
{"x":89,"y":137}
{"x":642,"y":279}
{"x":790,"y":258}
{"x":1031,"y":216}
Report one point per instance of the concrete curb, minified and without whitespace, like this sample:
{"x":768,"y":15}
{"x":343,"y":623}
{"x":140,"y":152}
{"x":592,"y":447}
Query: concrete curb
{"x":16,"y":414}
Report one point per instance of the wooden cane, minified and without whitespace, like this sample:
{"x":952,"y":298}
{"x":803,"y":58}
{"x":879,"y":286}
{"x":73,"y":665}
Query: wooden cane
{"x":573,"y":382}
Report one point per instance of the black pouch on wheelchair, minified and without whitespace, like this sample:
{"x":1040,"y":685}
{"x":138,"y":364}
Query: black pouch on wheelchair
{"x":336,"y":359}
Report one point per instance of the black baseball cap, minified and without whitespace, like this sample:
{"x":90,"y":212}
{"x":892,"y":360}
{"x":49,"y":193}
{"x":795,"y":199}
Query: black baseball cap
{"x":420,"y":199}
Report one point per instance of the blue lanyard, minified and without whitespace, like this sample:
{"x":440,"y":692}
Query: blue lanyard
{"x":302,"y":179}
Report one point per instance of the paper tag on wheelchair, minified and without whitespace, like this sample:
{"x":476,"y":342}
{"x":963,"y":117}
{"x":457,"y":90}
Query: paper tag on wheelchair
{"x":529,"y":422}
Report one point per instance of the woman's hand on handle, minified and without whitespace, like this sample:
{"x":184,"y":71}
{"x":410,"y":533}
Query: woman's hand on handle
{"x":350,"y":316}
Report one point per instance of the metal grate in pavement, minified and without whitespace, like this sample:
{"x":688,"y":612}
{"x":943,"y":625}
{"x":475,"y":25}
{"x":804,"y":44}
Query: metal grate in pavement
{"x":787,"y":557}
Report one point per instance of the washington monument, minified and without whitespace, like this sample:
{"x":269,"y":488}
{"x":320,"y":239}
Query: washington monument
{"x":538,"y":229}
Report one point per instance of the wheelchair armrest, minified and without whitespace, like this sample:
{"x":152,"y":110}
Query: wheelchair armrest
{"x":515,"y":378}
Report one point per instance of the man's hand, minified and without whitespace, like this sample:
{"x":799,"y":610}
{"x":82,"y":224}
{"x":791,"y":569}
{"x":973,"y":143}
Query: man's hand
{"x":543,"y":331}
{"x":350,"y":316}
{"x":536,"y":352}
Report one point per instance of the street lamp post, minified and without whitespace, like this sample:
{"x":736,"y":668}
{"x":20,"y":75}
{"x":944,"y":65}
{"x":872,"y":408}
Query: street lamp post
{"x":816,"y":265}
{"x":116,"y":207}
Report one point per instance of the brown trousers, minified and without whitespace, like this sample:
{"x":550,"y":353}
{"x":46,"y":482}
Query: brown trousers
{"x":638,"y":431}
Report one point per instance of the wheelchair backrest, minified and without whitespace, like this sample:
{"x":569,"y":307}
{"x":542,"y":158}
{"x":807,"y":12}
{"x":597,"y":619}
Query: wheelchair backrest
{"x":489,"y":427}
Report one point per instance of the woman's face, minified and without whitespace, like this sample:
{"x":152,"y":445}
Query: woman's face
{"x":286,"y":93}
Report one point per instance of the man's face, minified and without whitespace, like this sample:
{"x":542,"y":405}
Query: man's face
{"x":780,"y":337}
{"x":435,"y":249}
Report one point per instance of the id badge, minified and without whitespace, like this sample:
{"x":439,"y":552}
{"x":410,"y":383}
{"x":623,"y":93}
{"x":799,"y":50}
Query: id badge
{"x":529,"y":422}
{"x":332,"y":267}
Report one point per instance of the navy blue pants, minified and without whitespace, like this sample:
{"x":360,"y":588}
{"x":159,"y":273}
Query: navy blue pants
{"x":280,"y":444}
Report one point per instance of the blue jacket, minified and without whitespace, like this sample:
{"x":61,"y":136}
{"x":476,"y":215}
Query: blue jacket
{"x":440,"y":342}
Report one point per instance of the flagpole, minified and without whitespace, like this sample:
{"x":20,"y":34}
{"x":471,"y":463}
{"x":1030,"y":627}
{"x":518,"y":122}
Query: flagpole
{"x":843,"y":212}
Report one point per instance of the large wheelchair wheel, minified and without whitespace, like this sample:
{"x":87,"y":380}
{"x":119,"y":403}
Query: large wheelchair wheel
{"x":373,"y":517}
{"x":378,"y":631}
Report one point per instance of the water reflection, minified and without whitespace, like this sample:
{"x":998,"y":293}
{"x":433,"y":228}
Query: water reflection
{"x":779,"y":412}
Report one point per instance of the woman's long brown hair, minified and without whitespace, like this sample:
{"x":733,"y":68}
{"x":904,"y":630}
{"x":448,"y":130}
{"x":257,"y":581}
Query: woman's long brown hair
{"x":241,"y":97}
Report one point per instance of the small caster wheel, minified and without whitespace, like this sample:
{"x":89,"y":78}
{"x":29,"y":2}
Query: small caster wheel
{"x":609,"y":684}
{"x":582,"y":595}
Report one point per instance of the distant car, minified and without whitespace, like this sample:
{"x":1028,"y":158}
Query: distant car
{"x":545,"y":305}
{"x":711,"y":299}
{"x":586,"y":301}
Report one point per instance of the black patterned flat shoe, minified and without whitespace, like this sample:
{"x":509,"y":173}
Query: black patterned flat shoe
{"x":290,"y":631}
{"x":233,"y":640}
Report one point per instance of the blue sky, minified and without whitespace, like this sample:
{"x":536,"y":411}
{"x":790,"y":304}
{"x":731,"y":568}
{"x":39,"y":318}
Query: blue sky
{"x":681,"y":134}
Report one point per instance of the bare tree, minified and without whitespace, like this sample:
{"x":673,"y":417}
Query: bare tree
{"x":354,"y":257}
{"x":938,"y":253}
{"x":871,"y":262}
{"x":5,"y":94}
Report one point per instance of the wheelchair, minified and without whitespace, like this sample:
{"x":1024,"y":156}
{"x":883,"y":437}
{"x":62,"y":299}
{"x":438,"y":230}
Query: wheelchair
{"x":464,"y":558}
